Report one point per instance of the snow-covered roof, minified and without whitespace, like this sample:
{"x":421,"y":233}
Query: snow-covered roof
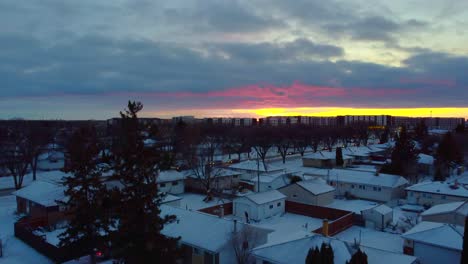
{"x":216,"y":173}
{"x":324,"y":155}
{"x":198,"y":229}
{"x":363,"y":177}
{"x":356,"y":206}
{"x":170,"y":175}
{"x":265,"y":197}
{"x":445,"y":208}
{"x":437,"y":234}
{"x":252,"y":165}
{"x":382,"y":209}
{"x":42,"y":192}
{"x":446,"y":188}
{"x":380,"y":256}
{"x":425,"y":159}
{"x":170,"y":198}
{"x":315,"y":187}
{"x":295,"y":251}
{"x":357,"y":151}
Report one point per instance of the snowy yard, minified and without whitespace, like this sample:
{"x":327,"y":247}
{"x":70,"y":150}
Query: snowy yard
{"x":14,"y":250}
{"x":372,"y":238}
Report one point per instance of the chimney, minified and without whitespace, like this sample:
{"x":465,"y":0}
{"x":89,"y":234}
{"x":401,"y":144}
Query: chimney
{"x":325,"y":227}
{"x":235,"y":226}
{"x":221,"y":211}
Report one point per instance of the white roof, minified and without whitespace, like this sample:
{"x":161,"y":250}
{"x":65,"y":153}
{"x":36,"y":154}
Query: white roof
{"x":357,"y":151}
{"x":295,"y":251}
{"x":42,"y":192}
{"x":382,"y":209}
{"x":170,"y":175}
{"x":251,"y":165}
{"x":198,"y":229}
{"x":380,"y":256}
{"x":425,"y":159}
{"x":315,"y":187}
{"x":439,"y":188}
{"x":437,"y":234}
{"x":170,"y":198}
{"x":364,"y":177}
{"x":265,"y":197}
{"x":444,"y":208}
{"x":324,"y":155}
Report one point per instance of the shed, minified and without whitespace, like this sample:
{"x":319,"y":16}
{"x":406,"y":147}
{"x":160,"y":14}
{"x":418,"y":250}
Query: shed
{"x":450,"y":213}
{"x":171,"y":181}
{"x":313,"y":192}
{"x":259,"y":206}
{"x":378,"y":217}
{"x":324,"y":159}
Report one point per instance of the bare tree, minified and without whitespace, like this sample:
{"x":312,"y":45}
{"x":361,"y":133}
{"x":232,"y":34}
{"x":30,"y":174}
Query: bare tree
{"x":243,"y":242}
{"x":262,"y":143}
{"x":16,"y":156}
{"x":37,"y":140}
{"x":283,"y":142}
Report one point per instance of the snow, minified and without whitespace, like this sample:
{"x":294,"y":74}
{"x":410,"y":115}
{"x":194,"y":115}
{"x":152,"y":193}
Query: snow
{"x":170,"y":175}
{"x":52,"y":237}
{"x":437,"y":234}
{"x":324,"y":155}
{"x":14,"y":250}
{"x":296,"y":251}
{"x":412,"y":208}
{"x":199,"y":229}
{"x":384,"y":257}
{"x":439,"y":188}
{"x":265,"y":197}
{"x":315,"y":187}
{"x":425,"y":159}
{"x":252,"y":165}
{"x":383,"y":209}
{"x":443,"y":208}
{"x":170,"y":198}
{"x":193,"y":201}
{"x":369,"y":178}
{"x":42,"y":192}
{"x":49,"y":176}
{"x":372,"y":238}
{"x":355,"y":206}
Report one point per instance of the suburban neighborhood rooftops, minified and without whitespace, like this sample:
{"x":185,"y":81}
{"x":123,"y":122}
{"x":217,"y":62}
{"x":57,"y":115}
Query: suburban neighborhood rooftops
{"x":375,"y":255}
{"x":381,"y":209}
{"x":445,"y":188}
{"x":265,"y":197}
{"x":438,"y":234}
{"x":42,"y":192}
{"x":447,"y":208}
{"x":315,"y":187}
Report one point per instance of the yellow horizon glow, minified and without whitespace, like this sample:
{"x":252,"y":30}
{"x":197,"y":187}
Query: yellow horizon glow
{"x":340,"y":111}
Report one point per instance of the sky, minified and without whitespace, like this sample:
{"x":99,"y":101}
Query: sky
{"x":85,"y":59}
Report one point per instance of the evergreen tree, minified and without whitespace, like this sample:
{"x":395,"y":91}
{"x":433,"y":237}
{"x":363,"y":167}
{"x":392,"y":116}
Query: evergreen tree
{"x":313,"y":256}
{"x":339,"y":157}
{"x":358,"y":258}
{"x":138,"y":238}
{"x":89,"y":221}
{"x":421,"y":131}
{"x":384,"y":136}
{"x":326,"y":253}
{"x":404,"y":157}
{"x":447,"y":153}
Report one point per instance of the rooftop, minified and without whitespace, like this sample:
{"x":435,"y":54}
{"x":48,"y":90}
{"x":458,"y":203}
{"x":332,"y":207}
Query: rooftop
{"x":42,"y":192}
{"x":437,"y":234}
{"x":252,"y":165}
{"x":446,"y":188}
{"x":265,"y":197}
{"x":315,"y":187}
{"x":324,"y":155}
{"x":170,"y":175}
{"x":446,"y":208}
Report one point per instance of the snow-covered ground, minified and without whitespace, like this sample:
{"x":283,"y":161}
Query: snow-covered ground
{"x":14,"y":250}
{"x":7,"y":182}
{"x":193,"y":201}
{"x":372,"y":238}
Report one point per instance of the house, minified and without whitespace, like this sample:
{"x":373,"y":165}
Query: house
{"x":313,"y":192}
{"x":295,"y":251}
{"x":258,"y":206}
{"x":171,"y":200}
{"x":450,"y":213}
{"x":272,"y":181}
{"x":250,"y":168}
{"x":222,"y":179}
{"x":324,"y":159}
{"x":206,"y":238}
{"x":378,"y":217}
{"x":434,"y":242}
{"x":433,"y":193}
{"x":363,"y":184}
{"x":425,"y":164}
{"x":51,"y":160}
{"x":171,"y":181}
{"x":39,"y":199}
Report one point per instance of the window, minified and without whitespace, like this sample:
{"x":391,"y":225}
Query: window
{"x":278,"y":204}
{"x":269,"y":186}
{"x":352,"y":186}
{"x":174,"y":183}
{"x":410,"y":194}
{"x":294,"y":195}
{"x":162,"y":185}
{"x":235,"y":176}
{"x":271,"y":206}
{"x":197,"y":251}
{"x":444,"y":197}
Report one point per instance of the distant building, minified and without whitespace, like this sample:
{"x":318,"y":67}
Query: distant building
{"x":433,"y":193}
{"x":258,"y":206}
{"x":313,"y":192}
{"x":378,"y":217}
{"x":171,"y":181}
{"x":450,"y":213}
{"x":324,"y":159}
